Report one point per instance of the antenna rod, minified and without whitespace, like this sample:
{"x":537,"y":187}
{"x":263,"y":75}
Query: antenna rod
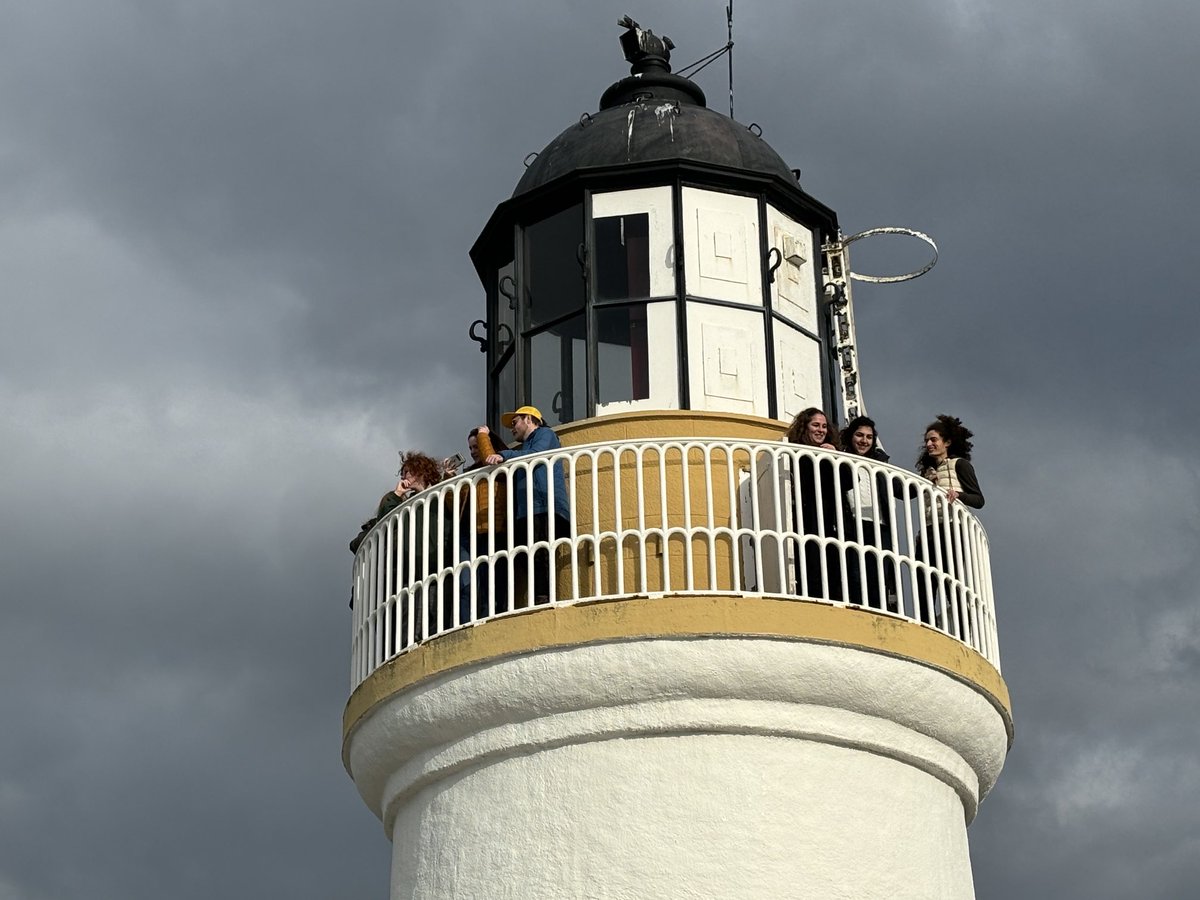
{"x":729,"y":20}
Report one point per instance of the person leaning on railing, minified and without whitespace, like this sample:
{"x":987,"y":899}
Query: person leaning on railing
{"x":476,"y":524}
{"x":418,"y":472}
{"x":811,"y":428}
{"x":387,"y":503}
{"x":946,"y":461}
{"x":538,"y":522}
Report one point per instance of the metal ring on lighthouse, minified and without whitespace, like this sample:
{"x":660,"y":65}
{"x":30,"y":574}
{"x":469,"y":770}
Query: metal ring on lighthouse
{"x":893,"y":229}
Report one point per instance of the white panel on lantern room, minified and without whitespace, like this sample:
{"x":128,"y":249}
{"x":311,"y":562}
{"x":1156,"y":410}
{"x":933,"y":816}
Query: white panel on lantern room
{"x":721,"y":253}
{"x":656,"y":203}
{"x":797,"y":371}
{"x":662,"y":363}
{"x":794,"y":291}
{"x":727,"y":369}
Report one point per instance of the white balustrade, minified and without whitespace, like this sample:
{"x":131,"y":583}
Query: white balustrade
{"x":648,"y":518}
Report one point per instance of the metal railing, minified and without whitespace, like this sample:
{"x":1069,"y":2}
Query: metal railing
{"x":648,"y":518}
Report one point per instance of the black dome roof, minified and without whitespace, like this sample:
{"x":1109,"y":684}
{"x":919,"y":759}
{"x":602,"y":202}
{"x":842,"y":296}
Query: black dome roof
{"x":652,"y":116}
{"x":652,"y":125}
{"x":652,"y":129}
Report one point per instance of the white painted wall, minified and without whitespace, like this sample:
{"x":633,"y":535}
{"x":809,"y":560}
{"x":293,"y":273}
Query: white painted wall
{"x":794,"y":290}
{"x":712,"y":767}
{"x":727,"y":360}
{"x":797,"y":371}
{"x":721,"y":253}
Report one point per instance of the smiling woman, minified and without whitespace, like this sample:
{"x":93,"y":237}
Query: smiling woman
{"x":945,"y":461}
{"x":869,"y":505}
{"x":819,"y":503}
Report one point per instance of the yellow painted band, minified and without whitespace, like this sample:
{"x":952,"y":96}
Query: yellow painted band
{"x":659,"y":424}
{"x":542,"y":628}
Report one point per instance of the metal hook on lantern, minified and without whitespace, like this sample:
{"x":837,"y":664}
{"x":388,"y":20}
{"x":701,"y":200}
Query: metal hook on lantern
{"x":481,"y":340}
{"x":772,"y":267}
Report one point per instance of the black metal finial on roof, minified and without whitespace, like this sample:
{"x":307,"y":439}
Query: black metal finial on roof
{"x":650,"y":75}
{"x":644,"y":49}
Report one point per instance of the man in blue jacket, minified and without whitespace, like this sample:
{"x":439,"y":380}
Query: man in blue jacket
{"x":549,"y":496}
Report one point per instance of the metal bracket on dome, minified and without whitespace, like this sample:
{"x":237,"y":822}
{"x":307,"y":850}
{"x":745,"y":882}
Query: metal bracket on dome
{"x":893,"y":229}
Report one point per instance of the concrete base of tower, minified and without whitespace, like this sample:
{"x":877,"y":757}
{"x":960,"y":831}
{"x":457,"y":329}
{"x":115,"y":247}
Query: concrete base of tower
{"x":682,"y":766}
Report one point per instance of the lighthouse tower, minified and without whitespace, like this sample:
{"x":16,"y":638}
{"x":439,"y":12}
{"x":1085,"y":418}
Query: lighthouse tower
{"x":730,"y":691}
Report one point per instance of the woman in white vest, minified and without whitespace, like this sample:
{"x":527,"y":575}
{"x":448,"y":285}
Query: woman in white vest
{"x":946,"y":461}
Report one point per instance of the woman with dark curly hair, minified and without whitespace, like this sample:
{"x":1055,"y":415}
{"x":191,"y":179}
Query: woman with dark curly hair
{"x":818,"y":516}
{"x":946,"y":461}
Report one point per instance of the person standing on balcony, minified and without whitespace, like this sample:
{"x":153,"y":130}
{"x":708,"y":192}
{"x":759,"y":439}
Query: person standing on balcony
{"x":546,"y":515}
{"x":819,"y":514}
{"x":476,"y":525}
{"x":418,"y":472}
{"x":946,"y":461}
{"x":870,"y":518}
{"x":387,"y":503}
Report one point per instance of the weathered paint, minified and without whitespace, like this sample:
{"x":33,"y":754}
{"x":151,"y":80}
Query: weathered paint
{"x":635,"y":758}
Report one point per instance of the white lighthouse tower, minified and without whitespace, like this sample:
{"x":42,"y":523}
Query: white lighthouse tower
{"x":693,"y":712}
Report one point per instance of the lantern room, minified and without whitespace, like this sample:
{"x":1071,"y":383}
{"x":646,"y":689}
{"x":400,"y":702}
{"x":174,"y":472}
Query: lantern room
{"x":656,"y":255}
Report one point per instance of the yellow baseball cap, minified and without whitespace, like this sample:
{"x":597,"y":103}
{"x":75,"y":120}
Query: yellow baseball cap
{"x":507,"y":419}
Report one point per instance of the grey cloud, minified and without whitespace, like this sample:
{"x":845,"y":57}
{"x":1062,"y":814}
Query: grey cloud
{"x":235,"y":249}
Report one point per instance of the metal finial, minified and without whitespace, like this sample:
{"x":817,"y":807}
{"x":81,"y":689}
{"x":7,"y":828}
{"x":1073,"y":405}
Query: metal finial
{"x":643,"y":48}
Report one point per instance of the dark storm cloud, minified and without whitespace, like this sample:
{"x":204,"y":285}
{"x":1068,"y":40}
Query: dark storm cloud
{"x":234,"y":239}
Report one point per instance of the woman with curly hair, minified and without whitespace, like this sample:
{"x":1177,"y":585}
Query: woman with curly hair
{"x":418,"y":472}
{"x":946,"y":461}
{"x":818,"y":515}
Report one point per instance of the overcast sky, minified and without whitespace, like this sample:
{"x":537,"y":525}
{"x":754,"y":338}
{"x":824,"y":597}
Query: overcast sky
{"x":234,"y":280}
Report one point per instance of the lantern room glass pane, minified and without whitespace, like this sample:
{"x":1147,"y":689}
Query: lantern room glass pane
{"x":622,"y":353}
{"x":558,"y":371}
{"x":506,"y":308}
{"x":622,"y":249}
{"x":506,"y":385}
{"x":554,"y":282}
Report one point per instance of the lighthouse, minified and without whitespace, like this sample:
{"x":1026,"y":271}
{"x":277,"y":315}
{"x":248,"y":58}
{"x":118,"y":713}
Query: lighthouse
{"x":690,"y":712}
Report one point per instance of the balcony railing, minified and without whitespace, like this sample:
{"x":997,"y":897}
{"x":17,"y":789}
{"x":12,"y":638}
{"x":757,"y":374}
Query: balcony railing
{"x":688,"y":516}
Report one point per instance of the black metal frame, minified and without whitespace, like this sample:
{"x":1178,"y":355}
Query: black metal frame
{"x":516,"y":215}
